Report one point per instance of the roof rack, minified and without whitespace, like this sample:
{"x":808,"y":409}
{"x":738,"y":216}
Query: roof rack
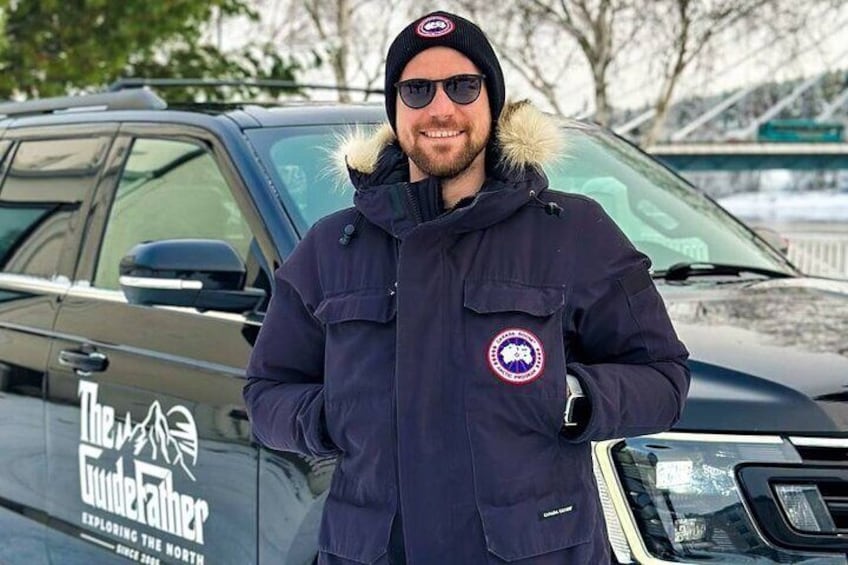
{"x":137,"y":99}
{"x":132,"y":83}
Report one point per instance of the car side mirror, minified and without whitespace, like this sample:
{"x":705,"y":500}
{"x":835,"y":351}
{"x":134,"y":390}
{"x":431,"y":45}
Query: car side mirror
{"x":773,"y":238}
{"x":206,"y":274}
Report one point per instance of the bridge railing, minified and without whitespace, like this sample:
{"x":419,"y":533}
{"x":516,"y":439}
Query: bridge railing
{"x":824,"y":254}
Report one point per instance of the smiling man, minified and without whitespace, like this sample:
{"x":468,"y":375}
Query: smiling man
{"x":443,"y":138}
{"x":460,"y":336}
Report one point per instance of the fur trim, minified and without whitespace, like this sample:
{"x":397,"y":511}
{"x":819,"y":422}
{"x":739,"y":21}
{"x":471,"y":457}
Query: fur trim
{"x":360,"y":149}
{"x":525,"y":136}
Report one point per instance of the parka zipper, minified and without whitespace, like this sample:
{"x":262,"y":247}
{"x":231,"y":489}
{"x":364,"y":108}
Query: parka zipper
{"x":393,"y":292}
{"x":413,"y":205}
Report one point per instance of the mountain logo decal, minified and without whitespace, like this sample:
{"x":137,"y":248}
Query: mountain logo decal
{"x":161,"y":436}
{"x":171,"y":436}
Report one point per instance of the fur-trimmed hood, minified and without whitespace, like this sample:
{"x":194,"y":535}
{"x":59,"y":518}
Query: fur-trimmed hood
{"x":524,"y":137}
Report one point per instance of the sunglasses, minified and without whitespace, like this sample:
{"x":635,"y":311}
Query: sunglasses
{"x":418,"y":92}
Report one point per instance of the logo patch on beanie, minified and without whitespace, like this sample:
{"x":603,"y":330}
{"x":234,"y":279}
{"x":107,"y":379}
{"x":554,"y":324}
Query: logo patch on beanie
{"x":434,"y":26}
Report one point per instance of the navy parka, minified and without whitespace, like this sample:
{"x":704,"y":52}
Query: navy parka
{"x":431,"y":358}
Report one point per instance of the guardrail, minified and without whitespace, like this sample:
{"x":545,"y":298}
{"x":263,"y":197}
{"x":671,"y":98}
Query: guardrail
{"x":824,"y":254}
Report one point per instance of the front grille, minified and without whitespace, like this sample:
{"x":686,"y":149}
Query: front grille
{"x":835,"y":495}
{"x":834,"y":492}
{"x":769,"y":490}
{"x":817,"y":454}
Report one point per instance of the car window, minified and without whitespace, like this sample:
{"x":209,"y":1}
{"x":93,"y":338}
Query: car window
{"x":299,"y":159}
{"x":44,"y":187}
{"x":663,"y":216}
{"x":168,"y":189}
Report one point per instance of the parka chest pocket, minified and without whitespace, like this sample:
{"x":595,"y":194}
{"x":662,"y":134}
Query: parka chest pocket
{"x":514,"y":332}
{"x":529,"y":488}
{"x":359,"y":342}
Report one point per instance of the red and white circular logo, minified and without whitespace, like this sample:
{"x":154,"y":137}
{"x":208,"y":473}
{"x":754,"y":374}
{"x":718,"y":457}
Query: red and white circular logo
{"x":516,"y":356}
{"x":434,"y":26}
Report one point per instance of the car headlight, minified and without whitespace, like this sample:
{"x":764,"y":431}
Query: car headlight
{"x":676,"y":498}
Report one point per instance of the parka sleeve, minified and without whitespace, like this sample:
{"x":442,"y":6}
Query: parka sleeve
{"x":284,"y":393}
{"x":622,"y":346}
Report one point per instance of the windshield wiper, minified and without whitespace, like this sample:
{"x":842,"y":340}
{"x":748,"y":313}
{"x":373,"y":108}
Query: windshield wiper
{"x":682,"y":271}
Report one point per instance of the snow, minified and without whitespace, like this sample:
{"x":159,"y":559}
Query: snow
{"x":780,"y":206}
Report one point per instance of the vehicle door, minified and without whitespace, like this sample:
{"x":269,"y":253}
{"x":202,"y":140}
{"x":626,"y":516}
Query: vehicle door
{"x":49,"y":177}
{"x":150,"y":449}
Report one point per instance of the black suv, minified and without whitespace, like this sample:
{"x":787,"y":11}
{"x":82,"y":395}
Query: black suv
{"x":137,"y":246}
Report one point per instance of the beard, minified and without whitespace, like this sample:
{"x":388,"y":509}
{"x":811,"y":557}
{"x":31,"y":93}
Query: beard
{"x":437,"y":161}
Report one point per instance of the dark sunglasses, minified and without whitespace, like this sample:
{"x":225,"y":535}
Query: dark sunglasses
{"x":418,"y":92}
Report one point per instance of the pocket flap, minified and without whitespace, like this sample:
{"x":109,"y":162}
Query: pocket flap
{"x":535,"y":527}
{"x":371,"y":306}
{"x":354,"y":533}
{"x":487,"y":297}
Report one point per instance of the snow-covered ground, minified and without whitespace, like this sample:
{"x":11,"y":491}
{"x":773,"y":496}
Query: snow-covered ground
{"x":777,"y":207}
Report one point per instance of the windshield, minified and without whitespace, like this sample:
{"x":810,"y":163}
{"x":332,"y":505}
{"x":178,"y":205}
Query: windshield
{"x":663,"y":216}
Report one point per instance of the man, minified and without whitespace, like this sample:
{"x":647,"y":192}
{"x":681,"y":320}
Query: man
{"x":426,"y":336}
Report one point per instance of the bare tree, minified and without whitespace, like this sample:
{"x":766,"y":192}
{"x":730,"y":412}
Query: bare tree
{"x":601,"y":28}
{"x":350,"y":36}
{"x":681,"y":31}
{"x":331,"y":20}
{"x":537,"y":39}
{"x":526,"y":44}
{"x":547,"y":42}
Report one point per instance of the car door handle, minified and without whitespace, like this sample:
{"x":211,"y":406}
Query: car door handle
{"x":83,"y":362}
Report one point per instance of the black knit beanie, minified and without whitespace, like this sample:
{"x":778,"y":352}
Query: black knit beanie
{"x":442,"y":29}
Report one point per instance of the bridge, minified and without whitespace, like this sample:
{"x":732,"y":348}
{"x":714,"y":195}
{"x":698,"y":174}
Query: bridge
{"x":739,"y":115}
{"x":701,"y":156}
